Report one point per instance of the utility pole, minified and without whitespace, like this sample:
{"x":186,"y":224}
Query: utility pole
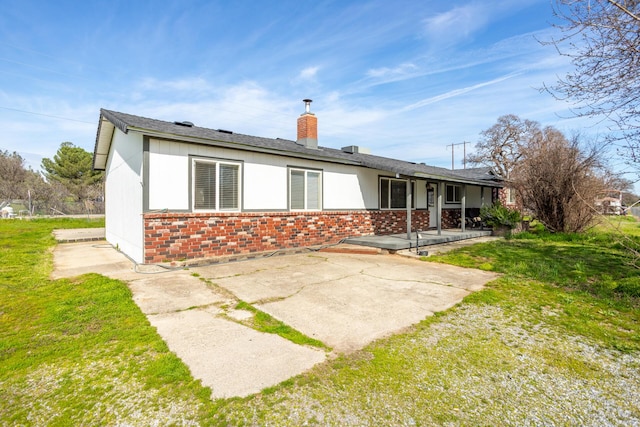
{"x":464,"y":159}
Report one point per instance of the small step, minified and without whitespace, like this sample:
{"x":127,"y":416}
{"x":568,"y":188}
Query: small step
{"x":345,"y":248}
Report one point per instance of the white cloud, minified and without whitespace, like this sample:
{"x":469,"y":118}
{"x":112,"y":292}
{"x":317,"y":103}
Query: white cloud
{"x":447,"y":28}
{"x":190,"y":84}
{"x":399,"y":71}
{"x":246,"y":107}
{"x":308,"y":73}
{"x":456,"y":92}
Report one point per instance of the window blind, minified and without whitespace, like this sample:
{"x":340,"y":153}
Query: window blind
{"x":205,"y":185}
{"x":229,"y":187}
{"x":313,"y":190}
{"x":297,"y":189}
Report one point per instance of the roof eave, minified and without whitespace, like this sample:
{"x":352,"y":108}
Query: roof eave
{"x":316,"y":155}
{"x":458,"y":180}
{"x":102,"y":147}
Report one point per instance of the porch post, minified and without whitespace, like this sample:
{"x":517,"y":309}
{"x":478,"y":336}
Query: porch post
{"x":409,"y":195}
{"x":463,"y":208}
{"x":439,"y":187}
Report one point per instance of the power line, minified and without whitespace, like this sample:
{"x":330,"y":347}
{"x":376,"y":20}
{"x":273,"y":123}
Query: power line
{"x":46,"y":115}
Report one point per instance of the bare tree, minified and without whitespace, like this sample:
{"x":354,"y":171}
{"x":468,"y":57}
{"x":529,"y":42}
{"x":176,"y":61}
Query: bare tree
{"x":501,"y":146}
{"x":12,"y":175}
{"x":602,"y":39}
{"x":558,"y":181}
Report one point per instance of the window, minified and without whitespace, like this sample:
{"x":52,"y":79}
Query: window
{"x":305,"y":190}
{"x":393,"y":193}
{"x":453,"y":193}
{"x":511,"y":199}
{"x":216,"y":185}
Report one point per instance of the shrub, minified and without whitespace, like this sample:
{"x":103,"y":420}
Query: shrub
{"x":498,"y":215}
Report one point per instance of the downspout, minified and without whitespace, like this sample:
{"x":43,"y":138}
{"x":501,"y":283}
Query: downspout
{"x":409,"y":195}
{"x":439,"y":208}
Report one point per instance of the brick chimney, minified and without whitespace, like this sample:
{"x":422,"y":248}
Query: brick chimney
{"x":307,"y":127}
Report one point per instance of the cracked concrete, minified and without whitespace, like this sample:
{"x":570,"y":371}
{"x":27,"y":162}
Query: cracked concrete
{"x":344,"y":300}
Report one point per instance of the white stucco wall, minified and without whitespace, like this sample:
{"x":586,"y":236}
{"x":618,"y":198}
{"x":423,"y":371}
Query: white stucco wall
{"x":167,"y":174}
{"x":123,"y":193}
{"x":473,"y":196}
{"x":264,"y":178}
{"x":421,"y":194}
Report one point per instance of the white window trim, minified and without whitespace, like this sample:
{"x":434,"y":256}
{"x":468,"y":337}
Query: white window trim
{"x":458,"y":192}
{"x":413,"y":198}
{"x":193,"y":184}
{"x":320,"y":189}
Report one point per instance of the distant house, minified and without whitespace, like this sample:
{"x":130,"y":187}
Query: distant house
{"x":178,"y":191}
{"x":610,"y":202}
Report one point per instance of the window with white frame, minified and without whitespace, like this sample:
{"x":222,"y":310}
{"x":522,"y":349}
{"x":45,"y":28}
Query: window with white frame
{"x":305,"y":190}
{"x":511,"y":199}
{"x":453,"y":193}
{"x":393,"y":193}
{"x":216,"y":185}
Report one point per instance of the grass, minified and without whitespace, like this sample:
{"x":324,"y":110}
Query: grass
{"x":264,"y":322}
{"x":559,"y":327}
{"x":80,"y":352}
{"x":260,"y":321}
{"x":554,"y":341}
{"x":587,"y":280}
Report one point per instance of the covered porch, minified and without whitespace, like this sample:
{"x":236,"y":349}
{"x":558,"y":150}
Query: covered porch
{"x":397,"y":242}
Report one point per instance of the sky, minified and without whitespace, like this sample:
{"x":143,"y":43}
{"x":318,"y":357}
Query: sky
{"x":404,"y":78}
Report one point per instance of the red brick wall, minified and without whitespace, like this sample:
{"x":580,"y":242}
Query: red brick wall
{"x":503,"y":196}
{"x":176,"y":236}
{"x":307,"y":126}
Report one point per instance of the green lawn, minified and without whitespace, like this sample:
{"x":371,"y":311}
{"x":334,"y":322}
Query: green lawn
{"x":80,"y":352}
{"x":554,"y":341}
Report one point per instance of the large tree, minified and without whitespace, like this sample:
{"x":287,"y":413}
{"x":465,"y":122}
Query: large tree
{"x":72,"y":168}
{"x":555,"y":179}
{"x":602,"y":39}
{"x":12,"y":176}
{"x":558,"y":180}
{"x":501,"y":146}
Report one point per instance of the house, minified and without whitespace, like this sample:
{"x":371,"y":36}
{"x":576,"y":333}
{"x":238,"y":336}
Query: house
{"x":610,"y":202}
{"x":178,"y":191}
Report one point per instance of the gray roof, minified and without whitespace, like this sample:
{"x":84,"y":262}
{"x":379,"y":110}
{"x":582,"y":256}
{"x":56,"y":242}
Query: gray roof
{"x":110,"y":120}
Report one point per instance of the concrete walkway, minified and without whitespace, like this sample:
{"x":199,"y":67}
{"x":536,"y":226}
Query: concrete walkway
{"x":344,"y":300}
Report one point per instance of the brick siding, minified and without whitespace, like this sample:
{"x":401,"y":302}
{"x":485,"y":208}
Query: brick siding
{"x":177,"y":236}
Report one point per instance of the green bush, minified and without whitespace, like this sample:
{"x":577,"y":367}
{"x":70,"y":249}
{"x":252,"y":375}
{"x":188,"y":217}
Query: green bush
{"x":498,"y":215}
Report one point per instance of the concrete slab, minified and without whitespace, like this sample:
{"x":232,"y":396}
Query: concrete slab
{"x":345,"y":300}
{"x":446,"y":247}
{"x":78,"y":235}
{"x":230,"y":358}
{"x":349,"y":313}
{"x":172,"y":291}
{"x":74,"y":259}
{"x":397,"y":242}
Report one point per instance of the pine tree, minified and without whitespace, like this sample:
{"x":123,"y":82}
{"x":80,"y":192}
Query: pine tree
{"x":72,"y":167}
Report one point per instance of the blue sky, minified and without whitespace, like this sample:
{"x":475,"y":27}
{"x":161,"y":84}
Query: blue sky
{"x":404,"y":78}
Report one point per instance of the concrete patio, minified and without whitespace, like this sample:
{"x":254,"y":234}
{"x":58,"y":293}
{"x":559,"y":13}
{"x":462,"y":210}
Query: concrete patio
{"x":397,"y":242}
